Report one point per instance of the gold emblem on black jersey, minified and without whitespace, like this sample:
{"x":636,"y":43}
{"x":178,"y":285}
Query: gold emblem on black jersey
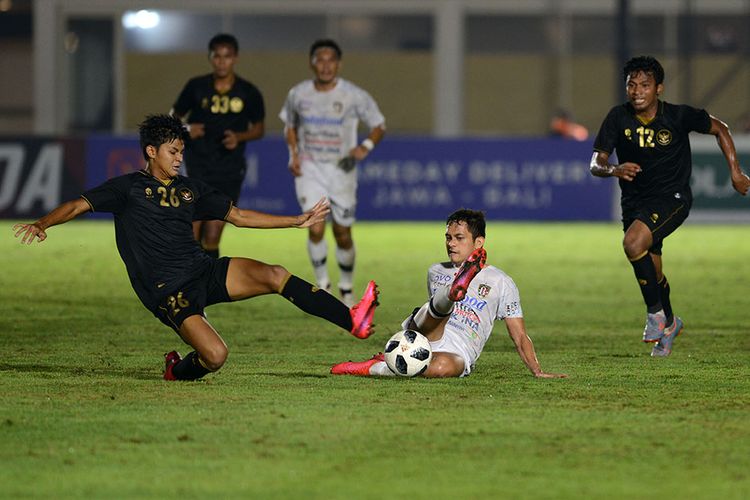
{"x":338,"y":106}
{"x":149,"y":193}
{"x":483,"y":290}
{"x":664,"y":137}
{"x":185,"y":195}
{"x":654,"y":217}
{"x":236,"y":104}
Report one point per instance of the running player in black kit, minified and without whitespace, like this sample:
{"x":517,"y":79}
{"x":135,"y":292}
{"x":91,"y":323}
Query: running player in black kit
{"x":223,"y":112}
{"x":153,"y":211}
{"x":653,"y":149}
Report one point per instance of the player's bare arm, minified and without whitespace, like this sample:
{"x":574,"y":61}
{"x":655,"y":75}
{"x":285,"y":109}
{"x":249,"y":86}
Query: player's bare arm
{"x":254,"y":132}
{"x":600,"y":167}
{"x":363,"y":149}
{"x":60,"y":215}
{"x":525,"y":347}
{"x":290,"y":135}
{"x":260,"y":220}
{"x":740,"y":180}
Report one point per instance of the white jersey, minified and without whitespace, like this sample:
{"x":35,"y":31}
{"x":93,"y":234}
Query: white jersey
{"x":492,"y":295}
{"x":326,"y":122}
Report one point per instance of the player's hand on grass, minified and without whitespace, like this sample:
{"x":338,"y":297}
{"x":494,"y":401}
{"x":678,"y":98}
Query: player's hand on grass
{"x":316,"y":214}
{"x":29,"y":232}
{"x":550,"y":375}
{"x":741,"y":182}
{"x":627,"y":171}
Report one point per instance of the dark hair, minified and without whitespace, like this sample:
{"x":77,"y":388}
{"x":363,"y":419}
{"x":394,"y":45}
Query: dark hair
{"x":474,"y":220}
{"x":644,"y":64}
{"x":224,"y":39}
{"x":325,"y":43}
{"x":156,"y":130}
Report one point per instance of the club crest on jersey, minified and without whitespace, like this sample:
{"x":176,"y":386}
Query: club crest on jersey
{"x":628,"y":133}
{"x":338,"y":107}
{"x":236,"y":104}
{"x":664,"y":137}
{"x":149,"y":193}
{"x":654,"y":217}
{"x":483,"y":290}
{"x":185,"y":195}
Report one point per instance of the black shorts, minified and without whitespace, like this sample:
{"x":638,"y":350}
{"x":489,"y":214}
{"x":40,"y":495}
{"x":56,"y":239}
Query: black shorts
{"x":662,"y":216}
{"x":195,"y":295}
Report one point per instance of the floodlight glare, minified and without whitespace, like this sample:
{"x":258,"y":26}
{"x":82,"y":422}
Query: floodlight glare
{"x":143,"y":19}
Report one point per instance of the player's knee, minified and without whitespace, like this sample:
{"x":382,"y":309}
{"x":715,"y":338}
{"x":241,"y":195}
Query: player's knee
{"x":276,"y":275}
{"x":444,"y":366}
{"x":214,"y":357}
{"x":343,"y":236}
{"x":632,"y":247}
{"x":317,"y":232}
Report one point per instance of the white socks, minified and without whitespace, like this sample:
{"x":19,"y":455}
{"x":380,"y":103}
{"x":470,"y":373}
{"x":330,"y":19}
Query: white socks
{"x":380,"y":369}
{"x":438,"y":308}
{"x":318,"y":253}
{"x":345,"y":259}
{"x":441,"y":304}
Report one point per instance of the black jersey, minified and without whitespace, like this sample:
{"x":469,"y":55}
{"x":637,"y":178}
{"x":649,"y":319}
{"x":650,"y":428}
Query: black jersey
{"x":153,"y":228}
{"x":234,"y":110}
{"x":661,"y":147}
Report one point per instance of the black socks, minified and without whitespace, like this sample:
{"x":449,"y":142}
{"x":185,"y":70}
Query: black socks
{"x":317,"y":302}
{"x":190,"y":368}
{"x":645,"y":272}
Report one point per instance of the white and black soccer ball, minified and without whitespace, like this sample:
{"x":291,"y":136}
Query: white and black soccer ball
{"x":408,"y":353}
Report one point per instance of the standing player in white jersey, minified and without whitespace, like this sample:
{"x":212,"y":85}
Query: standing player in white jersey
{"x":320,"y":118}
{"x":466,"y":297}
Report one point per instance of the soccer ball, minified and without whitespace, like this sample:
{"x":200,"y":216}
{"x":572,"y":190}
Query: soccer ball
{"x":408,"y":353}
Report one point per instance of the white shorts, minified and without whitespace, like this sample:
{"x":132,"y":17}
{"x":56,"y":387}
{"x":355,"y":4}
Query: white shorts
{"x":450,"y":342}
{"x":324,"y":179}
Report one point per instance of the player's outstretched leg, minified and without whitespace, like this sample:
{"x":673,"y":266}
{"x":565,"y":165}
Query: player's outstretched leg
{"x":470,"y":268}
{"x":361,"y":368}
{"x":363,"y":312}
{"x":664,"y":346}
{"x":312,"y":300}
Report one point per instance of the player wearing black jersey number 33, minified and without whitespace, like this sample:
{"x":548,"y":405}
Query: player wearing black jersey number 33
{"x":153,"y":213}
{"x":223,"y":112}
{"x":650,"y":138}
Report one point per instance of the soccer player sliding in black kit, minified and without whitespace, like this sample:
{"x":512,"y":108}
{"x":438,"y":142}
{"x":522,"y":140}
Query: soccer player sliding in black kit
{"x":153,"y":210}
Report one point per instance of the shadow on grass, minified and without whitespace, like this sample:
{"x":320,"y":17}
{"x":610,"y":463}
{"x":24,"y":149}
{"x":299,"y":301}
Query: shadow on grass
{"x":291,"y":374}
{"x":140,"y":374}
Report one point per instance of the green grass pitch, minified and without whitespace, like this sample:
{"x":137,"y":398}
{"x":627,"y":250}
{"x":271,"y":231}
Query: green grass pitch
{"x":84,"y":412}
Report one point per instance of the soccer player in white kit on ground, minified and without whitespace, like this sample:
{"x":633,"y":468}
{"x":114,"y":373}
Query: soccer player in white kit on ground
{"x":320,"y":118}
{"x":466,"y":297}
